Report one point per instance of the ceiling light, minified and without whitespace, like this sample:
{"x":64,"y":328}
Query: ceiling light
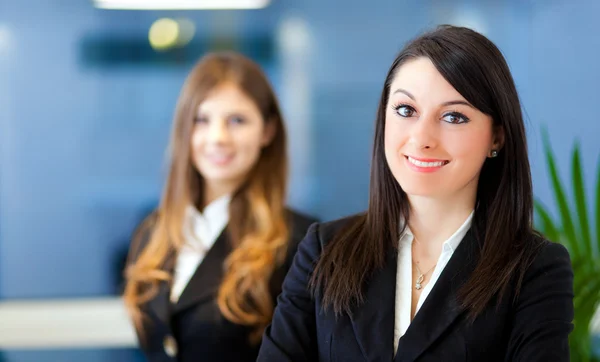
{"x":180,"y":4}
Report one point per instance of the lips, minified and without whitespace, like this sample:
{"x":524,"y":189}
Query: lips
{"x":426,"y":162}
{"x":219,"y":159}
{"x":425,"y":165}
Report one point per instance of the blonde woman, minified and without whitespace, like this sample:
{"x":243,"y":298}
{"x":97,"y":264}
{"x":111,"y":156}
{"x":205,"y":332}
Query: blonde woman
{"x":206,"y":267}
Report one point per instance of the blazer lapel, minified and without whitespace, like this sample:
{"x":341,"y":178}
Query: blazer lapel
{"x":207,"y":278}
{"x":441,"y":308}
{"x":373,"y":321}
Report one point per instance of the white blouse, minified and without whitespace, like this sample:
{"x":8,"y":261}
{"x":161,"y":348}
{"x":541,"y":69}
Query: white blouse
{"x":404,"y":277}
{"x":200,"y":230}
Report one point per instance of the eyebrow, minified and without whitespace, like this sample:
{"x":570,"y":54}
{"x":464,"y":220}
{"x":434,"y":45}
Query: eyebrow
{"x":445,"y":104}
{"x":225,"y":114}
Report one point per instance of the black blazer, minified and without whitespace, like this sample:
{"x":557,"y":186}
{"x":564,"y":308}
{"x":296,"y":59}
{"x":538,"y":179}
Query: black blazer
{"x":534,"y":328}
{"x":193,"y":329}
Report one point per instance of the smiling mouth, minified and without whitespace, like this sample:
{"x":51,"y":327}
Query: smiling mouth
{"x":425,"y":164}
{"x":219,"y":158}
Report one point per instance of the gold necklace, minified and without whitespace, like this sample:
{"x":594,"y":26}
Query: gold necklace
{"x":421,"y":277}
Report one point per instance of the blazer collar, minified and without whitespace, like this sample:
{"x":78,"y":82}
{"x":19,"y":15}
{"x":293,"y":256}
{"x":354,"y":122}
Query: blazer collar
{"x":373,"y":321}
{"x":207,"y":278}
{"x":441,"y":308}
{"x":202,"y":286}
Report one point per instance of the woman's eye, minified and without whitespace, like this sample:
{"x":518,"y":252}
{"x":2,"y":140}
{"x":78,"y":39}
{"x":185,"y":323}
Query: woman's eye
{"x":236,"y":120}
{"x":455,"y":118}
{"x":405,"y":111}
{"x":201,"y":119}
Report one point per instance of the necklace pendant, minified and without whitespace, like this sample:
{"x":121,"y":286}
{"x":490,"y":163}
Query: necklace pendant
{"x":419,"y":285}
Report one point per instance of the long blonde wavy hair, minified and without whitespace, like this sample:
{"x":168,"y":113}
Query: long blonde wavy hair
{"x":257,"y":225}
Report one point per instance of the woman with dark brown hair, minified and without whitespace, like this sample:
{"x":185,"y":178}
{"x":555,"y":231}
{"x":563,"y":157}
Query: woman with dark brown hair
{"x":206,"y":267}
{"x":445,"y":264}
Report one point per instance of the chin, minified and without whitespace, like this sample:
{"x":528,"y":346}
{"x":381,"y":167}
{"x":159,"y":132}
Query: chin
{"x":220,"y":177}
{"x":420,"y":192}
{"x":216,"y":175}
{"x":415,"y":188}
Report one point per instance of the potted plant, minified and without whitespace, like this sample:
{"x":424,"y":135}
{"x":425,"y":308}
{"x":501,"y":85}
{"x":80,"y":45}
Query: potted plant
{"x":581,"y":237}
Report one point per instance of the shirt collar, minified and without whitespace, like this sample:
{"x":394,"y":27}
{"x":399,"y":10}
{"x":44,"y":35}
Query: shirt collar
{"x":452,"y":242}
{"x":211,"y":221}
{"x":215,"y":209}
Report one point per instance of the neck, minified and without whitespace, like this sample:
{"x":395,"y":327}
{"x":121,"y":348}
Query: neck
{"x":433,"y":221}
{"x":213,"y":192}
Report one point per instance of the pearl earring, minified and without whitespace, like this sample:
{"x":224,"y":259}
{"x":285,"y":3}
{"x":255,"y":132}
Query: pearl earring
{"x":494,"y":153}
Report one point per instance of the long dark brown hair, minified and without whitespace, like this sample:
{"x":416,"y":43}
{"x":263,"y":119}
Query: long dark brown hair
{"x":502,"y":223}
{"x":257,"y":225}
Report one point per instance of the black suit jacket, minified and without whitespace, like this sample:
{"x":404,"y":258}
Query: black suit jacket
{"x":533,"y":328}
{"x":193,"y":329}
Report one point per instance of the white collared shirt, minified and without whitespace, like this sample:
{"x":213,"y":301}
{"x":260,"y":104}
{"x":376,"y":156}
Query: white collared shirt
{"x":404,"y":277}
{"x":200,"y":230}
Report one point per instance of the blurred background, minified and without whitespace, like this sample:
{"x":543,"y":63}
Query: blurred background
{"x":86,"y":99}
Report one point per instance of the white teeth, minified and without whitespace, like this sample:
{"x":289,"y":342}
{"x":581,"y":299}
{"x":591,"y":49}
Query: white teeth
{"x":425,"y":164}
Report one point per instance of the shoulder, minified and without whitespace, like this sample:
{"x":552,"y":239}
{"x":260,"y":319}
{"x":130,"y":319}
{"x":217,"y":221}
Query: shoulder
{"x":299,"y":223}
{"x":329,"y":230}
{"x":141,"y":235}
{"x":321,"y":233}
{"x":303,"y":255}
{"x":550,"y":255}
{"x":549,"y":271}
{"x":543,"y":309}
{"x":310,"y":234}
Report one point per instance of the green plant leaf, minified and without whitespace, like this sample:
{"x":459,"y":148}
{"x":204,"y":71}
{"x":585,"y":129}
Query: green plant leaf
{"x":561,"y":200}
{"x":574,"y":230}
{"x":585,"y":240}
{"x":598,"y":207}
{"x":587,"y":296}
{"x":583,"y":270}
{"x":585,"y":274}
{"x":547,"y":227}
{"x":586,"y":302}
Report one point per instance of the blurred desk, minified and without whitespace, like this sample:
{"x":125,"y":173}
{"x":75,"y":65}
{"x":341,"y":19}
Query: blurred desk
{"x":77,"y":323}
{"x":68,"y":323}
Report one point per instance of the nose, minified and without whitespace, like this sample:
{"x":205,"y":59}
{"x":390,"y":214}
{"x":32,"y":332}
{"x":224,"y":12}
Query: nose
{"x":218,"y":132}
{"x":425,"y":132}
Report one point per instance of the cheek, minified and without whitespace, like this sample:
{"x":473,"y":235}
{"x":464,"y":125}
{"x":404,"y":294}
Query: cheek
{"x":249,"y":142}
{"x":196,"y":142}
{"x":394,"y":138}
{"x":196,"y":139}
{"x":470,"y":149}
{"x":478,"y":142}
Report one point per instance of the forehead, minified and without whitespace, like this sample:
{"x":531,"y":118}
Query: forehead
{"x":227,"y":96}
{"x":421,"y":78}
